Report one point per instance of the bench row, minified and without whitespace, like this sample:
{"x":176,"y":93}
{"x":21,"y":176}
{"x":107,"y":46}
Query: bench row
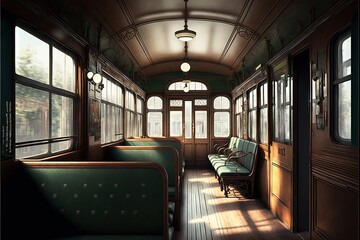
{"x":235,"y":164}
{"x":86,"y":200}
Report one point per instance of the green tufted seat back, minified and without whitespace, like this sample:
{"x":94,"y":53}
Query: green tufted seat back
{"x":165,"y":156}
{"x":106,"y":199}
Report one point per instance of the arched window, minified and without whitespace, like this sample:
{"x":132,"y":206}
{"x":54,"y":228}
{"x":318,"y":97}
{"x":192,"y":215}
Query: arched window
{"x":154,"y":117}
{"x":221,"y":116}
{"x":197,"y":86}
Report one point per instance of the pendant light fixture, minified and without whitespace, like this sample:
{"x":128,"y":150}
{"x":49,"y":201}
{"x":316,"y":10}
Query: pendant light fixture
{"x":185,"y":34}
{"x":185,"y":66}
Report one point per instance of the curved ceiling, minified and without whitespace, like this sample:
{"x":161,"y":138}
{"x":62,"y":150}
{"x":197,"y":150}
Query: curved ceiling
{"x":226,"y":31}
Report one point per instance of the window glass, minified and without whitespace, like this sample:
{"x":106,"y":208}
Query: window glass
{"x":175,"y":123}
{"x":221,"y":103}
{"x":111,"y":111}
{"x":221,"y":124}
{"x":154,"y":103}
{"x":154,"y":126}
{"x":252,"y":114}
{"x":63,"y":71}
{"x":263,"y":113}
{"x":239,"y":117}
{"x":32,"y":56}
{"x":282,"y":108}
{"x":342,"y":88}
{"x":200,"y":124}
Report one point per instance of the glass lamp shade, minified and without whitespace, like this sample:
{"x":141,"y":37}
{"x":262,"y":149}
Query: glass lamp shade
{"x":90,"y":75}
{"x":97,"y":78}
{"x":185,"y":35}
{"x":185,"y":67}
{"x":186,"y":88}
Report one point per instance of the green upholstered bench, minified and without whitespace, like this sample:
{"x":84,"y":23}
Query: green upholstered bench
{"x":172,"y":142}
{"x":224,"y":150}
{"x":86,"y":200}
{"x":238,"y":168}
{"x":167,"y":156}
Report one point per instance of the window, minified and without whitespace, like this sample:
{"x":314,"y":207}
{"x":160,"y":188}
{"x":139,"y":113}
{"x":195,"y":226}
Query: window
{"x":197,"y":86}
{"x":130,"y":114}
{"x":342,"y":88}
{"x":175,"y":120}
{"x":239,"y":120}
{"x":140,"y":116}
{"x":252,"y":114}
{"x":112,"y":104}
{"x":282,"y":104}
{"x":221,"y":117}
{"x":263,"y":113}
{"x":45,"y":93}
{"x":154,"y":117}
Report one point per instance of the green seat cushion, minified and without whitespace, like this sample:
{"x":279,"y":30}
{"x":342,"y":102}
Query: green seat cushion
{"x":232,"y":170}
{"x":216,"y":165}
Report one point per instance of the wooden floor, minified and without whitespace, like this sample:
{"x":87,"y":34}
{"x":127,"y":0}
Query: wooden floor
{"x":207,"y":214}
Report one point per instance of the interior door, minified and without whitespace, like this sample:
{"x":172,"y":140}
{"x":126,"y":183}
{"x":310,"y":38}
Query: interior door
{"x":189,"y":121}
{"x":281,"y":171}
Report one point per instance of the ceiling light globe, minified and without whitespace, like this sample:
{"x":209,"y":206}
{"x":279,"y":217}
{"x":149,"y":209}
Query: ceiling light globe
{"x":97,"y":78}
{"x":185,"y":67}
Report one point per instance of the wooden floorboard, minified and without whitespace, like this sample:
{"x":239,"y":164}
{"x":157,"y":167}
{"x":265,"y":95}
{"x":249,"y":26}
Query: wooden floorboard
{"x":207,"y":214}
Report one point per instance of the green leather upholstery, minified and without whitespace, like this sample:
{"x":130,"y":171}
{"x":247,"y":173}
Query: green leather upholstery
{"x":88,"y":200}
{"x":172,"y":142}
{"x":237,"y":167}
{"x":167,"y":156}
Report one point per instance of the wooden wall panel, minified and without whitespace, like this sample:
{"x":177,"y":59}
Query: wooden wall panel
{"x":335,"y":210}
{"x":262,"y":176}
{"x":281,"y":194}
{"x":188,"y":152}
{"x":201,"y":152}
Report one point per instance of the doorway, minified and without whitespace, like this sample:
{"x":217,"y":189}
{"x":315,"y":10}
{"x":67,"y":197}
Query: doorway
{"x":189,"y":122}
{"x":302,"y":140}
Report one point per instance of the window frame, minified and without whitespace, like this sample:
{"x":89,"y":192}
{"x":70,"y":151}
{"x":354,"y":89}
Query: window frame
{"x":155,"y":110}
{"x":263,"y":85}
{"x":109,"y":103}
{"x":337,"y":40}
{"x":239,"y":111}
{"x":51,"y":89}
{"x":252,"y":108}
{"x":221,"y":110}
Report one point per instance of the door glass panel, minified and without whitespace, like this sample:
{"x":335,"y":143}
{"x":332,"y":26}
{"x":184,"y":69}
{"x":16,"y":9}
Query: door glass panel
{"x":200,"y":124}
{"x":175,"y":123}
{"x":188,"y":117}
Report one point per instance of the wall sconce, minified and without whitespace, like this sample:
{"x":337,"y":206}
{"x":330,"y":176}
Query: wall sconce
{"x":95,"y":79}
{"x":187,"y":85}
{"x":317,"y":77}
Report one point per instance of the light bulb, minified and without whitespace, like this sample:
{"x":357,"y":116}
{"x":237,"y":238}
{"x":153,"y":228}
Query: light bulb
{"x":90,"y":75}
{"x":97,"y":78}
{"x":185,"y":67}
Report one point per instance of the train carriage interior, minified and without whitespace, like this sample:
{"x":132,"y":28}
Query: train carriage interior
{"x":180,"y":119}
